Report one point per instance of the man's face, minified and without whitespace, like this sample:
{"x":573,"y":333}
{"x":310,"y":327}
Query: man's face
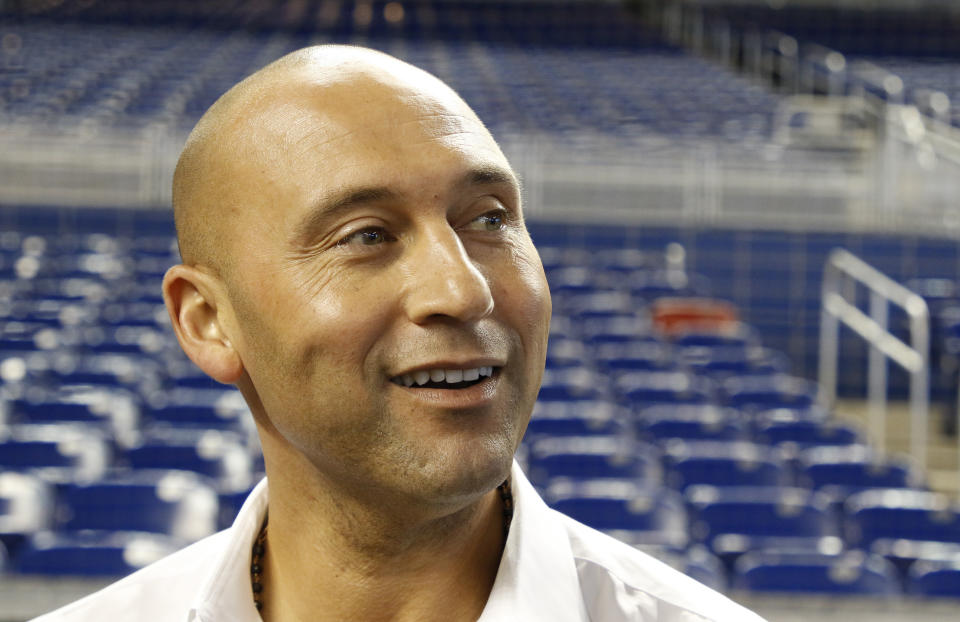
{"x":381,"y":244}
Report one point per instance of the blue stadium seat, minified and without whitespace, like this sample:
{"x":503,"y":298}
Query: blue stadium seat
{"x":767,"y":392}
{"x":112,"y":365}
{"x":723,"y":361}
{"x":579,"y":409}
{"x":646,"y":388}
{"x":900,"y":514}
{"x":93,"y":553}
{"x":843,"y":470}
{"x":904,"y":553}
{"x":663,"y":422}
{"x":572,"y":281}
{"x":935,"y":578}
{"x":562,"y":353}
{"x":592,"y":457}
{"x":221,"y":407}
{"x":781,"y":414}
{"x":216,"y":454}
{"x":736,"y":519}
{"x":621,"y":329}
{"x":647,"y":355}
{"x":26,"y":507}
{"x":852,"y":572}
{"x":56,"y":452}
{"x":113,"y":408}
{"x":722,"y":463}
{"x":649,"y":285}
{"x":176,"y":503}
{"x":615,"y":505}
{"x":572,"y":384}
{"x":604,"y":305}
{"x":806,"y":433}
{"x":560,"y":424}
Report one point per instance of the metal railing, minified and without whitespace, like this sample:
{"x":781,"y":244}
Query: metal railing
{"x":842,"y":275}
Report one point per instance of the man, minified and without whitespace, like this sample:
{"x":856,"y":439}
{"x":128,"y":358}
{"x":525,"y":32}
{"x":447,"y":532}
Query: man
{"x":355,"y":260}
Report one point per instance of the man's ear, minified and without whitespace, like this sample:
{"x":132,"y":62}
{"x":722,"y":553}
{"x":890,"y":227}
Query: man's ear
{"x":191,"y":296}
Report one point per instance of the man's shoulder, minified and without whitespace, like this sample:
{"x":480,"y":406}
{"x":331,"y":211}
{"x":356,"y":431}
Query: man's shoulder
{"x":606,"y":566}
{"x":164,"y":590}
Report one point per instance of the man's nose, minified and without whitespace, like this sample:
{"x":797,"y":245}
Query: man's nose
{"x":443,"y":281}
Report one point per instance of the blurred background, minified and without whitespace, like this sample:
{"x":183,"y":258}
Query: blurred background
{"x":747,"y":211}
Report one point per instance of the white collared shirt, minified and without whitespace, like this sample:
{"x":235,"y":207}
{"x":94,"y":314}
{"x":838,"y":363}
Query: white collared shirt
{"x":553,"y":569}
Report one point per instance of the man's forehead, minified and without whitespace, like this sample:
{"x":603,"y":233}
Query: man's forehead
{"x":316,"y":112}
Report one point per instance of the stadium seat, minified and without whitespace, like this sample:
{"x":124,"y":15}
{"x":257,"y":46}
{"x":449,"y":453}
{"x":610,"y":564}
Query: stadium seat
{"x":92,"y":553}
{"x":847,"y":573}
{"x":645,"y":388}
{"x":592,"y":457}
{"x":572,"y":384}
{"x":722,"y":463}
{"x":768,"y":392}
{"x":216,"y":454}
{"x":900,"y":514}
{"x":176,"y":503}
{"x":619,"y":329}
{"x":724,"y":361}
{"x":600,"y":306}
{"x":546,"y":425}
{"x":904,"y":553}
{"x":843,"y":470}
{"x":736,"y":519}
{"x":563,"y":353}
{"x":57,"y":452}
{"x":26,"y":507}
{"x":663,"y":422}
{"x":114,"y":409}
{"x":221,"y":407}
{"x":806,"y":433}
{"x":648,"y":355}
{"x":935,"y":578}
{"x":622,"y":506}
{"x":679,"y":316}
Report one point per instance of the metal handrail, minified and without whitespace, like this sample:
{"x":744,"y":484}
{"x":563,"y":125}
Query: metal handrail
{"x":841,"y":275}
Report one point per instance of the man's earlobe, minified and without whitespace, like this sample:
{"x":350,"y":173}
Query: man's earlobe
{"x":191,"y":299}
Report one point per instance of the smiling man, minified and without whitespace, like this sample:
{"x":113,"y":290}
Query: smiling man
{"x":355,"y":260}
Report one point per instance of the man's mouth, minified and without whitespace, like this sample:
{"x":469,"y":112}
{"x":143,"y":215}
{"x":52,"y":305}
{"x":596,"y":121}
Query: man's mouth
{"x":445,"y":378}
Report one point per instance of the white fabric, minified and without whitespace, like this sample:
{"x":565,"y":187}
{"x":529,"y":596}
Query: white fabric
{"x":553,"y":569}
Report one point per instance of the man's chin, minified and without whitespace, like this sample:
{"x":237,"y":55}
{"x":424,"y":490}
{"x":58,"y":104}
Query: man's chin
{"x":463,"y":478}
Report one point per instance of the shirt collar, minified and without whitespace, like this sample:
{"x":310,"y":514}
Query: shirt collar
{"x":227,"y":594}
{"x":537,"y":577}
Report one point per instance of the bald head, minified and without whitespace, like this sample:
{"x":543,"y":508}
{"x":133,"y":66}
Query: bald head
{"x":310,"y":96}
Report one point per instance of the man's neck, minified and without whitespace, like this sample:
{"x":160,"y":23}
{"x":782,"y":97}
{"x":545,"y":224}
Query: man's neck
{"x":335,"y":559}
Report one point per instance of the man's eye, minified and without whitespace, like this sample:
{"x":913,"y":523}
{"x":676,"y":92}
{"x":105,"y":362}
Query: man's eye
{"x":366,"y":237}
{"x":491,"y":221}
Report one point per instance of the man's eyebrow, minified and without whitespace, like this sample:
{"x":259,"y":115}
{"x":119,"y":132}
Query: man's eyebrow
{"x":328,"y":209}
{"x":490,"y":175}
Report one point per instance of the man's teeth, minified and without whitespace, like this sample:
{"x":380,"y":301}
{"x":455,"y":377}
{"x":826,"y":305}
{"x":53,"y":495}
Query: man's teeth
{"x":450,"y":376}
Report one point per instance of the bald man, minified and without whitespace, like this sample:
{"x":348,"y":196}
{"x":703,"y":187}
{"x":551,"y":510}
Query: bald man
{"x":355,"y":260}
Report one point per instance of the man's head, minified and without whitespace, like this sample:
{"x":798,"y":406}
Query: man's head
{"x":348,"y":226}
